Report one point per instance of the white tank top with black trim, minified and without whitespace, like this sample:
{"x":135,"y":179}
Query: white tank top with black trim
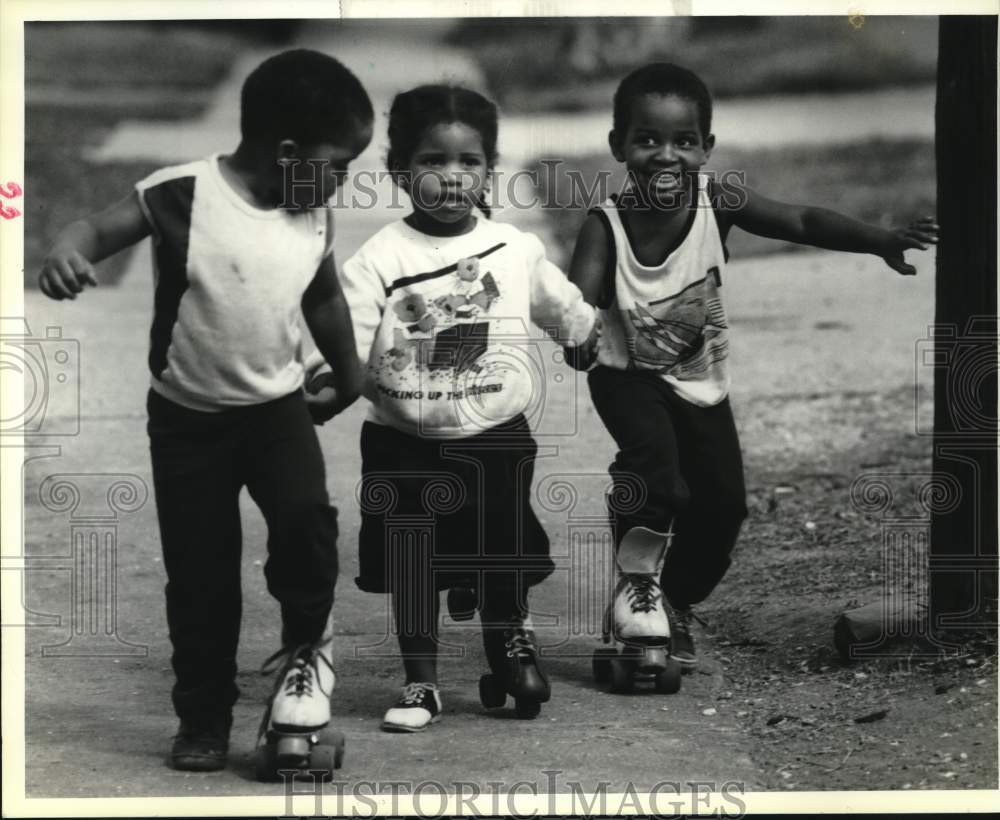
{"x":669,"y":318}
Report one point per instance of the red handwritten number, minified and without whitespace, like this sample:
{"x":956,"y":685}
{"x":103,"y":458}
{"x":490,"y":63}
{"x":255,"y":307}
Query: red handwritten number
{"x":9,"y":191}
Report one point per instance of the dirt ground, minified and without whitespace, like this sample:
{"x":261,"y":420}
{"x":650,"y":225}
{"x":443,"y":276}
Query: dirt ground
{"x":824,"y":396}
{"x":913,"y":719}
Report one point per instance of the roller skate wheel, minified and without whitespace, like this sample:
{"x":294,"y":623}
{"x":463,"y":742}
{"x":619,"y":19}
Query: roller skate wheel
{"x":491,"y":693}
{"x":601,"y":664}
{"x":527,"y":709}
{"x":652,"y":661}
{"x":264,"y":763}
{"x":293,"y":752}
{"x":330,"y":737}
{"x":622,"y":675}
{"x":668,"y":681}
{"x":335,"y":740}
{"x":462,"y":603}
{"x":324,"y":760}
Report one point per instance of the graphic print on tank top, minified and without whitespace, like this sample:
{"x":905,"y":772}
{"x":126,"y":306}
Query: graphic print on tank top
{"x":684,"y":334}
{"x":442,"y":331}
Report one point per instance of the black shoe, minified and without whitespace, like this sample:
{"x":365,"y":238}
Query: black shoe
{"x":418,"y":708}
{"x":681,"y":641}
{"x":201,"y":745}
{"x":512,"y":654}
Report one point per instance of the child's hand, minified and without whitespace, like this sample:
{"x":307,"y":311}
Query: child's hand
{"x":64,"y":273}
{"x":323,"y":405}
{"x":918,"y":234}
{"x":583,"y":355}
{"x":322,"y":398}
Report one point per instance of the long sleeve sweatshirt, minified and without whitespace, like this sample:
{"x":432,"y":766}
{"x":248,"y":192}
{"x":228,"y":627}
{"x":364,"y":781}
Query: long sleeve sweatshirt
{"x":444,"y":325}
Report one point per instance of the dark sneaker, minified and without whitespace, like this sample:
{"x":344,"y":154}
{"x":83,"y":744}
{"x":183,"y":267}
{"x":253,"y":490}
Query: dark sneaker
{"x":682,"y":643}
{"x":201,"y":745}
{"x":418,"y":708}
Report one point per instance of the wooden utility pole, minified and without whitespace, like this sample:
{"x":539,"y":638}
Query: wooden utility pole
{"x":963,"y":546}
{"x":961,"y":356}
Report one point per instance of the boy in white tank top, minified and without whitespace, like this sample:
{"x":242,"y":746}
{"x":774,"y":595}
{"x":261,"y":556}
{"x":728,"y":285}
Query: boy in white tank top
{"x":651,"y":260}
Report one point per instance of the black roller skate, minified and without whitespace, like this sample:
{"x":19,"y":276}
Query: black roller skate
{"x":639,"y":618}
{"x":295,"y":731}
{"x":463,"y":601}
{"x":512,"y":654}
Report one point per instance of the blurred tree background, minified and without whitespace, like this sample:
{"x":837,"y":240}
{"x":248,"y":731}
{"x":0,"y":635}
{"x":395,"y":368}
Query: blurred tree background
{"x":546,"y":64}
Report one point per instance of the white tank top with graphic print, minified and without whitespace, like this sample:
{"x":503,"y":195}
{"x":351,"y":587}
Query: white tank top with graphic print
{"x":669,"y":318}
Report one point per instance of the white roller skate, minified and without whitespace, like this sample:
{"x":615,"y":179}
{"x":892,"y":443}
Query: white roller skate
{"x":295,"y":731}
{"x":639,"y":617}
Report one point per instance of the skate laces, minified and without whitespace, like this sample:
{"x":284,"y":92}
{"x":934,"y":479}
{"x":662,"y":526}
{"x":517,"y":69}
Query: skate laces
{"x":683,"y":618}
{"x":301,"y":666}
{"x":643,"y":592}
{"x":519,"y":643}
{"x":414,"y":694}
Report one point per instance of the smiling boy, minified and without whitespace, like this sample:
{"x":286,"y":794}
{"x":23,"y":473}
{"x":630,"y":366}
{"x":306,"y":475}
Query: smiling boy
{"x":652,"y":262}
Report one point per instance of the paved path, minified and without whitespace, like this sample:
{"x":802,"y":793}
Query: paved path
{"x":806,"y":307}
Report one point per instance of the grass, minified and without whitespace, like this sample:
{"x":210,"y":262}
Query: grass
{"x":884,"y":182}
{"x":81,"y":79}
{"x":553,"y":64}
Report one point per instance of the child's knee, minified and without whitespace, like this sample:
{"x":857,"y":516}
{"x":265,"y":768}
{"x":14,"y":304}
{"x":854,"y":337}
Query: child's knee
{"x":648,"y":479}
{"x":731,"y":508}
{"x":312,"y":523}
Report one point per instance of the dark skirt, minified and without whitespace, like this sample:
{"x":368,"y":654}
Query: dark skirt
{"x":450,"y":512}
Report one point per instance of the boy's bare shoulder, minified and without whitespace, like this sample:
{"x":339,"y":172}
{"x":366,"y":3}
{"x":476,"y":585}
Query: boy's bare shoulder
{"x":171,"y":172}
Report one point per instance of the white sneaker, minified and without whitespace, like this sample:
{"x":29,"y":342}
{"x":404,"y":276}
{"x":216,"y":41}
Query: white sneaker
{"x":639,"y":609}
{"x":418,"y":707}
{"x":302,"y":699}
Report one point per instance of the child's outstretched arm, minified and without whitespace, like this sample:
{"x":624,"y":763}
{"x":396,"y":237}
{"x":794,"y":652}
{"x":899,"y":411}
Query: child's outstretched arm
{"x":329,"y":320}
{"x":82,"y":244}
{"x":828,"y":229}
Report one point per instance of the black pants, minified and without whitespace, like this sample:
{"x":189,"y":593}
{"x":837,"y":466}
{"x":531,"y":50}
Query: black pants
{"x":201,"y":461}
{"x":686,"y":461}
{"x":438,"y":513}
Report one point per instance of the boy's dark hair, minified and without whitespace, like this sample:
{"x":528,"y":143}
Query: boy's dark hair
{"x":414,"y":112}
{"x":305,"y":96}
{"x":663,"y":79}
